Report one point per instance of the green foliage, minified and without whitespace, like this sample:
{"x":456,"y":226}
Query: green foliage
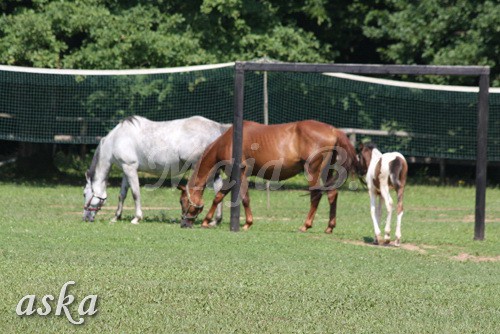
{"x":117,"y":35}
{"x":456,"y":32}
{"x":111,"y":34}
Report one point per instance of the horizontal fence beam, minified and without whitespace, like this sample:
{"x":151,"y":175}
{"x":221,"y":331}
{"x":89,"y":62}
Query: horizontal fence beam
{"x":59,"y":139}
{"x":366,"y":68}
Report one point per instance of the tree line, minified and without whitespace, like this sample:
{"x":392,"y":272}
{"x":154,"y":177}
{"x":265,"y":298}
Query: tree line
{"x":116,"y":34}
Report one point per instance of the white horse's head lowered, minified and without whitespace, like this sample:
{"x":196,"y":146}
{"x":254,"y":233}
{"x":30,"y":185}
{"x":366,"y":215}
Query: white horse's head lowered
{"x":91,"y":202}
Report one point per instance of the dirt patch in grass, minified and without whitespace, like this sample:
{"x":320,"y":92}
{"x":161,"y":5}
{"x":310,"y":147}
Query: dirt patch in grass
{"x":113,"y":208}
{"x":472,"y":219}
{"x":469,"y":257}
{"x":408,"y":247}
{"x":422,"y":249}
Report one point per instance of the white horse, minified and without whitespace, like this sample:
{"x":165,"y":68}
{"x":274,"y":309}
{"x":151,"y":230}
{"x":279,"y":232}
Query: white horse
{"x":384,"y":171}
{"x":138,"y":144}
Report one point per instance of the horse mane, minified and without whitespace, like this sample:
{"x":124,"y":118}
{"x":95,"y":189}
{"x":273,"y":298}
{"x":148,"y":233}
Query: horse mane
{"x":370,"y":145}
{"x":131,"y":119}
{"x":93,"y":165}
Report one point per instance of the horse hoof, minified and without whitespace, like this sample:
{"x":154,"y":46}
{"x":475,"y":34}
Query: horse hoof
{"x":377,"y":240}
{"x":397,"y":243}
{"x":387,"y":241}
{"x":246,"y":227}
{"x":213,"y":224}
{"x":135,"y":221}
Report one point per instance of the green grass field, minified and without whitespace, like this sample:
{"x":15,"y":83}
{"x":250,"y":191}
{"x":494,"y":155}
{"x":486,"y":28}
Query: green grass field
{"x":159,"y":278}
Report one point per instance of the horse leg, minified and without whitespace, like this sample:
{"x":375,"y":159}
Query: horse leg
{"x":246,"y":203}
{"x":400,"y":192}
{"x":384,"y":190}
{"x":375,"y":216}
{"x":121,"y":199}
{"x":315,"y":193}
{"x":332,"y":199}
{"x":218,"y":213}
{"x":133,"y":181}
{"x":215,"y":206}
{"x":378,"y":210}
{"x":315,"y":198}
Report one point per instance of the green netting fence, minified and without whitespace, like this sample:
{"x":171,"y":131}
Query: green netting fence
{"x":80,"y":107}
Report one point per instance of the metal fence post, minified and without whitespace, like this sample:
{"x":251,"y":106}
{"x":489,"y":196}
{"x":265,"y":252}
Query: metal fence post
{"x":482,"y":155}
{"x":239,"y":83}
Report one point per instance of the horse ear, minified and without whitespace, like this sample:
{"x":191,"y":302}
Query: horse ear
{"x":181,"y":187}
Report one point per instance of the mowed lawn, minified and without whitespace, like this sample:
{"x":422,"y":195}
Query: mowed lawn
{"x":158,"y":278}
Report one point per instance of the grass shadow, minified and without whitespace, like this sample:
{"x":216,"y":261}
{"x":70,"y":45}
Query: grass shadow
{"x":368,"y":240}
{"x":159,"y":219}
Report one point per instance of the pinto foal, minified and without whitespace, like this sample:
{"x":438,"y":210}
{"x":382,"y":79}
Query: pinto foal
{"x":384,"y":171}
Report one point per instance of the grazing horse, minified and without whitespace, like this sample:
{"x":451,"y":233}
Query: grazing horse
{"x":138,"y":144}
{"x":384,"y":171}
{"x":276,"y":152}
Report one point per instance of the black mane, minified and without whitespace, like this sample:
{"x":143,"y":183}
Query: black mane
{"x":370,"y":145}
{"x":130,"y":119}
{"x":93,"y":165}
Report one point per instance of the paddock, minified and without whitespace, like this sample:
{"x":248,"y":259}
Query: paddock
{"x":158,"y":277}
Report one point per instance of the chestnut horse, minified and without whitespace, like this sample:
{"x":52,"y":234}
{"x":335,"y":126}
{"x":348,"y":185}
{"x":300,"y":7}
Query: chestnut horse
{"x":275,"y":152}
{"x":384,"y":171}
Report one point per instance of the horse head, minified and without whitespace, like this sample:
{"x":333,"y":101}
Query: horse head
{"x":91,"y":202}
{"x":190,"y":210}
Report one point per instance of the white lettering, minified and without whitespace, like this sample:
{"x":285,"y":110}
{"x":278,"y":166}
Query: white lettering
{"x":29,"y":310}
{"x":91,"y":308}
{"x":26,"y":306}
{"x":46,"y":305}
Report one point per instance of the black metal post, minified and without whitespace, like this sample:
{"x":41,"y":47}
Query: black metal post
{"x":482,"y":155}
{"x":239,"y":83}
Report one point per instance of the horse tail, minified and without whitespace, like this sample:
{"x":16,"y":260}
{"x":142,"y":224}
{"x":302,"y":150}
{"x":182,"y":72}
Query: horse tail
{"x":395,"y":168}
{"x":351,"y":163}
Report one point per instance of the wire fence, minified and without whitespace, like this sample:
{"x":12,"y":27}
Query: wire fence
{"x":80,"y":107}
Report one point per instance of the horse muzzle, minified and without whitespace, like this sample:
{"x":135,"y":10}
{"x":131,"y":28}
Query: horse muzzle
{"x":88,"y":216}
{"x":187,"y":223}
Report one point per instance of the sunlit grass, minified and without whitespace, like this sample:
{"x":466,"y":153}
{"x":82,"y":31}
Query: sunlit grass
{"x":157,"y":277}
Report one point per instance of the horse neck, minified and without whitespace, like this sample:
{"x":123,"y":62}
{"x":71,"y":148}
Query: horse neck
{"x":102,"y":167}
{"x":376,"y":155}
{"x":198,"y":181}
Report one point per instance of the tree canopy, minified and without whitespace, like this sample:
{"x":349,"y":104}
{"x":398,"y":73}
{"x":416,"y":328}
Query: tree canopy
{"x":113,"y":34}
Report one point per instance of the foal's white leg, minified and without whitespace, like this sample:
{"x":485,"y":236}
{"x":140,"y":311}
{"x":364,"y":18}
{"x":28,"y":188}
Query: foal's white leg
{"x":375,"y":217}
{"x":379,"y":208}
{"x":398,"y":229}
{"x":400,"y":215}
{"x":218,"y":183}
{"x":121,"y":199}
{"x":388,"y":205}
{"x":133,"y":181}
